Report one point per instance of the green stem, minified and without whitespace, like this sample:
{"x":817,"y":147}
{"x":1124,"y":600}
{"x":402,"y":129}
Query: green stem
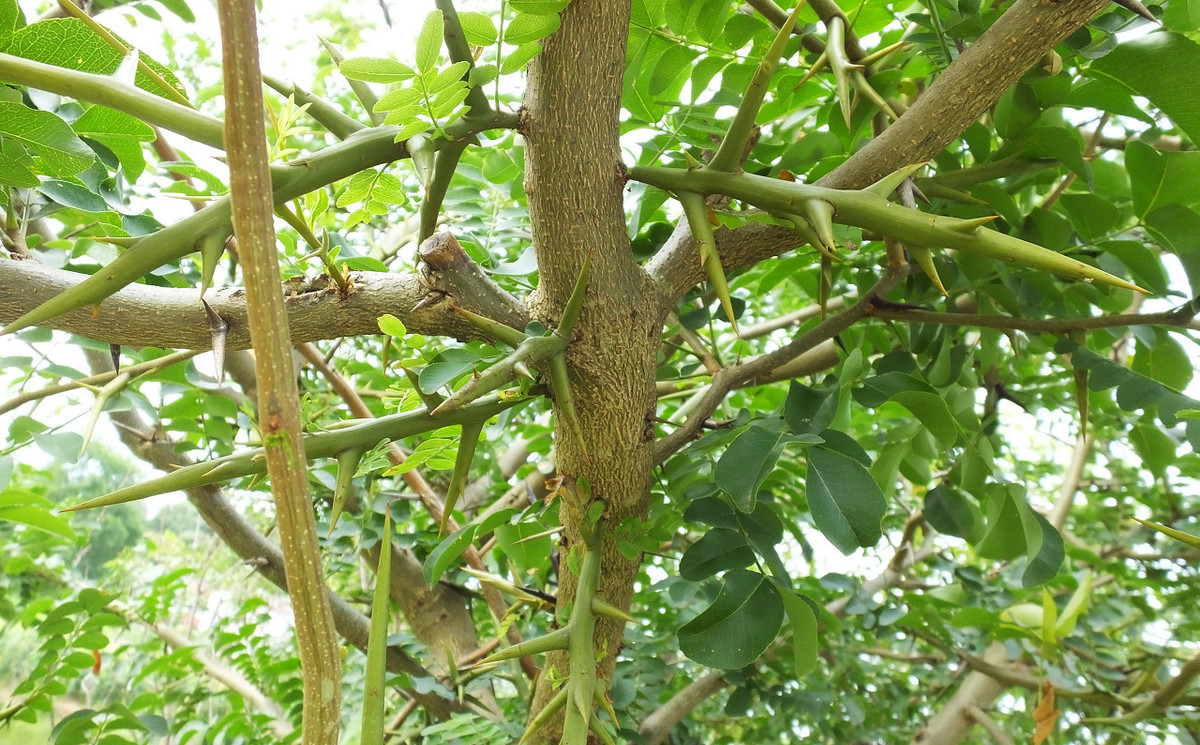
{"x":730,"y":153}
{"x":250,"y":462}
{"x":866,"y":209}
{"x":279,"y":414}
{"x":108,"y":91}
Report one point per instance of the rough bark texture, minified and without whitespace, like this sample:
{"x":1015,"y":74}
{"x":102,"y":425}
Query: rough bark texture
{"x":574,"y":182}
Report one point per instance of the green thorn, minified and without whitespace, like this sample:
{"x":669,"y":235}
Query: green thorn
{"x":696,"y":211}
{"x":467,"y":441}
{"x":422,"y":157}
{"x":492,"y":329}
{"x":888,"y":184}
{"x":347,"y":465}
{"x":924,"y":258}
{"x":574,"y":307}
{"x":805,"y":229}
{"x":864,"y":89}
{"x":543,"y":716}
{"x":692,"y":163}
{"x":555,"y":641}
{"x":212,"y":245}
{"x":564,"y":403}
{"x":520,"y":368}
{"x":969,"y":226}
{"x":819,"y":214}
{"x":602,"y":608}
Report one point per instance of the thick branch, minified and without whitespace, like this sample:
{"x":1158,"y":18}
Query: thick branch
{"x":968,"y":88}
{"x":278,"y":394}
{"x":148,"y":316}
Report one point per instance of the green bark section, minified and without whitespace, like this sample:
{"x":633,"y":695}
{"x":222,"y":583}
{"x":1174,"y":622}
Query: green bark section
{"x":278,"y":395}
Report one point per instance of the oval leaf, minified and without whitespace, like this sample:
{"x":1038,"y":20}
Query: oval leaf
{"x":738,"y":626}
{"x":846,"y":503}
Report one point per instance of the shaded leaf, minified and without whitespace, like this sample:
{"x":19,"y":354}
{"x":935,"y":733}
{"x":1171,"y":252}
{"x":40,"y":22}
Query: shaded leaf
{"x":846,"y":503}
{"x":739,"y":625}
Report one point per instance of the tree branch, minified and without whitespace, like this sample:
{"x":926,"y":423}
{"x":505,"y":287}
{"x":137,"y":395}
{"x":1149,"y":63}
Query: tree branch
{"x":732,"y":377}
{"x":149,"y":316}
{"x":968,"y":88}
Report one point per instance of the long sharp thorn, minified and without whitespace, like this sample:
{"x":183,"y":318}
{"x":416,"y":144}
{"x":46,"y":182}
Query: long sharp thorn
{"x":825,"y":284}
{"x":543,"y":716}
{"x":819,"y":214}
{"x":805,"y":229}
{"x":574,"y":307}
{"x":601,"y":608}
{"x":492,"y":329}
{"x":554,"y":641}
{"x":600,"y":732}
{"x":733,"y":147}
{"x":467,"y":441}
{"x":924,"y":258}
{"x":864,"y":89}
{"x":886,"y":185}
{"x":969,"y":226}
{"x":347,"y":465}
{"x":219,"y":328}
{"x":563,"y":403}
{"x":817,"y":67}
{"x":696,"y":212}
{"x":520,"y":368}
{"x":835,"y":49}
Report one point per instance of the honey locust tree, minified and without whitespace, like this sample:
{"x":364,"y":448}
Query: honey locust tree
{"x":667,"y":370}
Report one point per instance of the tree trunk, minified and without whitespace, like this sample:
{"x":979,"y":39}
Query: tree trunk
{"x":574,"y":180}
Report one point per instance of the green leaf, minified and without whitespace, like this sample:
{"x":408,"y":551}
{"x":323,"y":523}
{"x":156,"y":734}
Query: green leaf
{"x":670,"y":66}
{"x":58,"y":150}
{"x":1159,"y":179}
{"x":803,"y":622}
{"x":717,"y":550}
{"x":517,"y":59}
{"x":810,"y":410}
{"x":1092,"y":216}
{"x":447,"y":366}
{"x":1152,"y":66}
{"x":446,"y":553}
{"x":951,"y":512}
{"x":747,"y":462}
{"x":376,"y":70}
{"x":917,"y":396}
{"x":1156,"y":448}
{"x":1046,"y":551}
{"x":73,"y":195}
{"x":526,"y":545}
{"x":739,"y":625}
{"x":11,"y":18}
{"x":21,"y":506}
{"x":392,"y":326}
{"x":846,"y":503}
{"x":1004,"y":538}
{"x":539,"y":7}
{"x":69,"y":43}
{"x":119,"y":132}
{"x":526,"y":28}
{"x":429,"y":41}
{"x":478,"y":28}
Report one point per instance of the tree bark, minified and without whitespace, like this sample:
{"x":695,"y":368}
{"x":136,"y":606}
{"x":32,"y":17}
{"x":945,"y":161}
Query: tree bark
{"x":574,"y":181}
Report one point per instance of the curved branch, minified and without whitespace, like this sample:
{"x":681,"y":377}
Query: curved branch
{"x":968,"y":88}
{"x":733,"y":377}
